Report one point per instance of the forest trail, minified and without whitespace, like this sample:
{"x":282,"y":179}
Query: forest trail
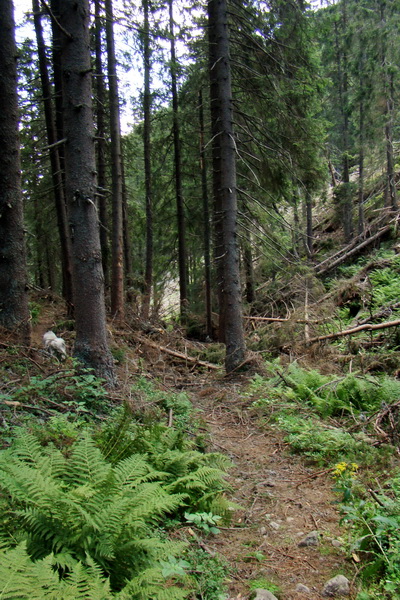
{"x":282,"y":498}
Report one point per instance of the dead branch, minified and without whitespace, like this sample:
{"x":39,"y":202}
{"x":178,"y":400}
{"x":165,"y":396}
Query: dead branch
{"x":282,"y":320}
{"x":15,"y":404}
{"x":365,"y":327}
{"x":176,"y":354}
{"x":383,"y":312}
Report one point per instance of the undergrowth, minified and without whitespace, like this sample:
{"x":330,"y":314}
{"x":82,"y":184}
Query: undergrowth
{"x":94,"y":511}
{"x":373,"y":521}
{"x":330,"y":420}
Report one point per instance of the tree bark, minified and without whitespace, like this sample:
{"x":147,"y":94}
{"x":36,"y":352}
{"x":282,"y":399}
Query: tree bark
{"x":182,"y":252}
{"x":56,"y":173}
{"x":224,"y":184}
{"x":117,"y":269}
{"x":91,"y":345}
{"x":148,"y":274}
{"x":14,"y":312}
{"x":206,"y":220}
{"x":247,"y":254}
{"x":101,"y":144}
{"x":57,"y":82}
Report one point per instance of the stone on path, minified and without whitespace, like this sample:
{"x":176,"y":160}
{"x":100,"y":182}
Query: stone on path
{"x":337,"y":586}
{"x":264,"y":595}
{"x":311,"y":539}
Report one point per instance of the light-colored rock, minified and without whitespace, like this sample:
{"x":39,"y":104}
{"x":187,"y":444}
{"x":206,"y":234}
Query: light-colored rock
{"x":336,"y":543}
{"x":263,"y":530}
{"x":311,"y":539}
{"x":302,"y":589}
{"x":264,"y":595}
{"x":274,"y":525}
{"x":337,"y":586}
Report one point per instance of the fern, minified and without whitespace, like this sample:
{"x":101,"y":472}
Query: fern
{"x":151,"y":584}
{"x":170,"y":460}
{"x":22,"y":578}
{"x":88,"y":510}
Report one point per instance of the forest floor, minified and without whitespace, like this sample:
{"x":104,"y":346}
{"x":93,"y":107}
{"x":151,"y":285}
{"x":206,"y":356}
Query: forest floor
{"x":282,"y":497}
{"x":283,"y":500}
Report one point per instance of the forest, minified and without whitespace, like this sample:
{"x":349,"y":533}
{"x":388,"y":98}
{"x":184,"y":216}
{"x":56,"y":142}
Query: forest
{"x":199,"y":300}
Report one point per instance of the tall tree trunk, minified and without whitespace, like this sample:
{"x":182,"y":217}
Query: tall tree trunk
{"x":388,"y":90}
{"x":14,"y":312}
{"x":117,"y":275}
{"x":40,"y":279}
{"x":56,"y":173}
{"x":206,"y":219}
{"x":361,"y":221}
{"x":247,"y":254}
{"x":296,"y":236}
{"x":182,"y":253}
{"x":91,"y":345}
{"x":248,"y":267}
{"x":148,"y":274}
{"x":343,"y":80}
{"x":224,"y":183}
{"x":57,"y":82}
{"x":309,"y":226}
{"x":390,"y":192}
{"x":125,"y":236}
{"x":101,"y":143}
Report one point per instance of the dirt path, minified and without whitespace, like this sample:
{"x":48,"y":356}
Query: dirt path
{"x":282,"y":503}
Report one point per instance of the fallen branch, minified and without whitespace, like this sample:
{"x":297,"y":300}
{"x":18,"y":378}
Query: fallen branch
{"x":383,"y":312}
{"x":176,"y":354}
{"x":281,"y":320}
{"x":15,"y":404}
{"x":365,"y":327}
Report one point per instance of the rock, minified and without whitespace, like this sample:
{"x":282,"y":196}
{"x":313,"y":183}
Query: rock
{"x":311,"y":539}
{"x":336,"y":543}
{"x":337,"y":586}
{"x":263,"y":530}
{"x":302,"y":589}
{"x":274,"y":525}
{"x":264,"y":595}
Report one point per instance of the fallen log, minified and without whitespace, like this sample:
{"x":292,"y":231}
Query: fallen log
{"x":176,"y":353}
{"x":365,"y":327}
{"x":321,"y":271}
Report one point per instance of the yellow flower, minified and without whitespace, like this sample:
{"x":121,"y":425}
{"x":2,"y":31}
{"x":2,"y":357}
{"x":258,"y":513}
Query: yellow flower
{"x":340,"y":468}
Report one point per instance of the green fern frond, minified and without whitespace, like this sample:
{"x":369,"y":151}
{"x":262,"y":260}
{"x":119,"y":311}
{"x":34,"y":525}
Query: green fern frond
{"x":87,"y":464}
{"x":133,"y":470}
{"x":151,"y":584}
{"x":201,"y":479}
{"x":21,"y":578}
{"x":151,"y":501}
